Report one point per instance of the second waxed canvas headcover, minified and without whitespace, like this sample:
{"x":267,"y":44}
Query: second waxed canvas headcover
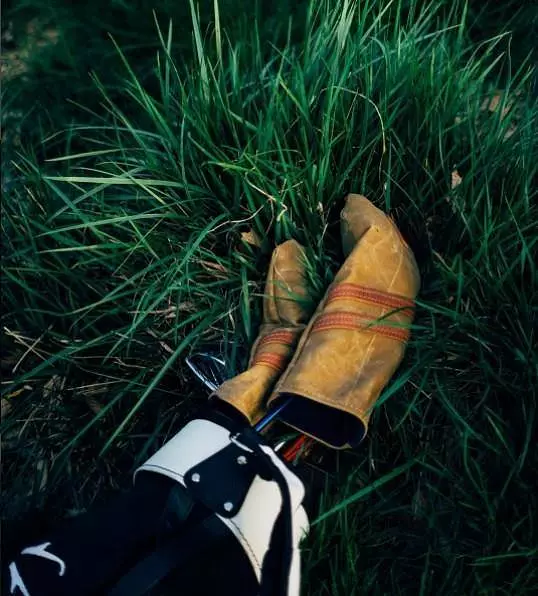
{"x":286,"y":310}
{"x":357,"y":337}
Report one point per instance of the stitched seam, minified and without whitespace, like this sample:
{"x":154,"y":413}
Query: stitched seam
{"x":348,"y":290}
{"x":357,"y":321}
{"x":180,"y":476}
{"x":267,"y":365}
{"x":285,"y":332}
{"x":270,"y":357}
{"x":349,"y":296}
{"x":397,"y":337}
{"x":352,"y":317}
{"x":338,"y":292}
{"x":353,"y":286}
{"x":365,"y":290}
{"x":276,"y":343}
{"x":246,"y":542}
{"x":359,"y":324}
{"x":285,"y":338}
{"x":373,"y":295}
{"x":398,"y":233}
{"x":271,"y":360}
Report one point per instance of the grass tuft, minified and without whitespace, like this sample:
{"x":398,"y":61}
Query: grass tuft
{"x":123,"y":224}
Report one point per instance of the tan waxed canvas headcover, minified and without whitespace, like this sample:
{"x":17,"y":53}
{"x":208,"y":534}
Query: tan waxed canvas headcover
{"x":285,"y":313}
{"x":357,"y":337}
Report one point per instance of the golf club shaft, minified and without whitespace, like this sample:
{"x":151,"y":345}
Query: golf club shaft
{"x":271,"y":415}
{"x":211,"y":382}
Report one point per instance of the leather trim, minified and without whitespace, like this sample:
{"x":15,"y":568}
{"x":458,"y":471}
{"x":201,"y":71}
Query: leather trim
{"x":358,"y":322}
{"x":200,"y":439}
{"x":253,"y":531}
{"x":197,"y":441}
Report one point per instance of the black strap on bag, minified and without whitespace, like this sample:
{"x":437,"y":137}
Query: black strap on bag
{"x":277,"y":562}
{"x":220,"y":485}
{"x":176,"y":553}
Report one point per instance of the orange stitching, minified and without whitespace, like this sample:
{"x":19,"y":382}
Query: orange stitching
{"x":272,"y":360}
{"x":357,"y":321}
{"x":377,"y":331}
{"x":404,"y":311}
{"x":278,"y":337}
{"x":362,"y":293}
{"x":365,"y":290}
{"x":352,"y":318}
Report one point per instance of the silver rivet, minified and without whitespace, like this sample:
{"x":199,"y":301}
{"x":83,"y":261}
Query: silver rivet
{"x":228,"y":506}
{"x":195,"y":477}
{"x":241,"y":460}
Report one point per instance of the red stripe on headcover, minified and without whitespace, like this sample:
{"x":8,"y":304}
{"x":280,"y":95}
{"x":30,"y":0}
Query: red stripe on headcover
{"x":358,"y":322}
{"x":284,"y":337}
{"x":348,"y":291}
{"x":272,"y":360}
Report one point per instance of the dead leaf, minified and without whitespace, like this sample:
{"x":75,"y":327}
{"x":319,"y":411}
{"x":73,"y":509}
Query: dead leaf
{"x":456,"y":179}
{"x":92,"y":403}
{"x":16,"y":393}
{"x":163,"y":344}
{"x":212,"y":266}
{"x":251,"y":238}
{"x":511,"y":130}
{"x":89,"y":393}
{"x":54,"y":385}
{"x":492,"y":104}
{"x":169,"y":312}
{"x":183,"y":307}
{"x":15,"y":62}
{"x":5,"y":408}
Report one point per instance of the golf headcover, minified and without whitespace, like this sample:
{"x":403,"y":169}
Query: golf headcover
{"x":285,"y":313}
{"x":248,"y":489}
{"x":357,"y":337}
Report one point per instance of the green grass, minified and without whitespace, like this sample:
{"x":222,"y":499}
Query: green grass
{"x":122,"y":253}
